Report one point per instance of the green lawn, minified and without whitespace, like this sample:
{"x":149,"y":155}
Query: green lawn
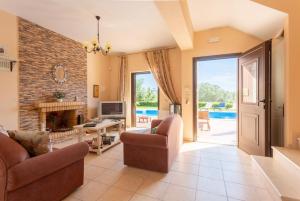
{"x":146,"y":108}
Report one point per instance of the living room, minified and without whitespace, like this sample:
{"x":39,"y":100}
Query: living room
{"x":54,"y":82}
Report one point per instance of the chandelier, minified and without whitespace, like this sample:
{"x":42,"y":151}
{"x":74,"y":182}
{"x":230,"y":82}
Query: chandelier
{"x":94,"y":45}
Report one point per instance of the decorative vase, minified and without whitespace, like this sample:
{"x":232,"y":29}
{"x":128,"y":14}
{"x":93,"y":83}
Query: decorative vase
{"x":60,"y":100}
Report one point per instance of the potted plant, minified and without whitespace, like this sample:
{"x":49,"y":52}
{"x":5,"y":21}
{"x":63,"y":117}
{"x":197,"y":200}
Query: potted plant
{"x":59,"y":95}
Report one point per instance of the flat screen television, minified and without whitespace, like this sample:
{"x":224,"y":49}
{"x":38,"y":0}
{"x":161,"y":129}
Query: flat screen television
{"x":112,"y":109}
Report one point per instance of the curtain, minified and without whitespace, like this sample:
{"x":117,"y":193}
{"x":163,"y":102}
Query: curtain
{"x":158,"y":61}
{"x":123,"y":66}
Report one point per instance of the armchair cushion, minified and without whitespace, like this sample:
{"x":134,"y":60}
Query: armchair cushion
{"x":148,"y":140}
{"x":163,"y":127}
{"x":35,"y":168}
{"x":35,"y":142}
{"x":155,"y":123}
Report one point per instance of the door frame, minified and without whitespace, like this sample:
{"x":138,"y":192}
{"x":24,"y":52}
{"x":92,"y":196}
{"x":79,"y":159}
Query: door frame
{"x":133,"y":97}
{"x":207,"y":58}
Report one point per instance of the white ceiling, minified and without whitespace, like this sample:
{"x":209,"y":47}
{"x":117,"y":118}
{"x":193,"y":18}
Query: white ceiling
{"x":134,"y":25}
{"x":128,"y":26}
{"x":245,"y":15}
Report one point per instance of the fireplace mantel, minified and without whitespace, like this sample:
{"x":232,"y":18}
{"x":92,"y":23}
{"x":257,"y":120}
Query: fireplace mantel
{"x":59,"y":106}
{"x":44,"y":108}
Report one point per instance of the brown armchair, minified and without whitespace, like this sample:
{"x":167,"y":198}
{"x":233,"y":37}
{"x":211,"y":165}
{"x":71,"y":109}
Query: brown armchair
{"x":48,"y":177}
{"x":154,"y":151}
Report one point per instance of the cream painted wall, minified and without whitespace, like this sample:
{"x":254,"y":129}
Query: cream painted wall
{"x":292,"y":67}
{"x":98,"y":73}
{"x":9,"y":115}
{"x":231,"y":41}
{"x":138,"y":63}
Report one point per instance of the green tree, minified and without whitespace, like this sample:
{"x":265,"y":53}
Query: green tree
{"x":139,"y":90}
{"x":213,"y":93}
{"x":150,"y":95}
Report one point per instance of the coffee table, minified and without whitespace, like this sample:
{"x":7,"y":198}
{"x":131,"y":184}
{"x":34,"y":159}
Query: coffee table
{"x":98,"y":131}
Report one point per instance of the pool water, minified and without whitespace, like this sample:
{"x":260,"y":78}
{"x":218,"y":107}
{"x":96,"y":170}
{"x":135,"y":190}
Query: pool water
{"x":222,"y":115}
{"x":213,"y":115}
{"x":151,"y":113}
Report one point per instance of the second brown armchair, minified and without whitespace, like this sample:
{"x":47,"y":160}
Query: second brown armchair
{"x":154,"y":151}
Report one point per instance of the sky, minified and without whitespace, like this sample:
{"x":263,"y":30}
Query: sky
{"x":148,"y":80}
{"x":222,"y":72}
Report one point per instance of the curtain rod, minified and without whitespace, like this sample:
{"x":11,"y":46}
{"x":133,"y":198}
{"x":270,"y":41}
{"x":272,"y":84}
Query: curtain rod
{"x":147,"y":50}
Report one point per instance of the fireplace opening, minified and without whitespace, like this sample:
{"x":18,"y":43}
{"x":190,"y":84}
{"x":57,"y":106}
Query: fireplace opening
{"x":60,"y":121}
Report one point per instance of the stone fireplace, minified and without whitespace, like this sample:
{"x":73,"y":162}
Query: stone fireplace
{"x":40,"y":50}
{"x":59,"y":117}
{"x":60,"y":121}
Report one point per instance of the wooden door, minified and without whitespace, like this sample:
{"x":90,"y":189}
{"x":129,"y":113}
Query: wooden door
{"x":254,"y":100}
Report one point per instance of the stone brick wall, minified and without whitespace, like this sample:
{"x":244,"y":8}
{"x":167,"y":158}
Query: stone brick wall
{"x":39,"y":51}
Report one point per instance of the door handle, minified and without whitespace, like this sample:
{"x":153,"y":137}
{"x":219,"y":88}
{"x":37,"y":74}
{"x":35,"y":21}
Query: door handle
{"x":262,"y":101}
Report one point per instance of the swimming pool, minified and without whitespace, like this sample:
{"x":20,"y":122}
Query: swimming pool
{"x":151,"y":113}
{"x":222,"y":115}
{"x":212,"y":114}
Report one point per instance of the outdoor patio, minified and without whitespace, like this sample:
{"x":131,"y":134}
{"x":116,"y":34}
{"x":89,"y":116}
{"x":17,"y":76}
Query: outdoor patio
{"x":223,"y":131}
{"x":144,"y":121}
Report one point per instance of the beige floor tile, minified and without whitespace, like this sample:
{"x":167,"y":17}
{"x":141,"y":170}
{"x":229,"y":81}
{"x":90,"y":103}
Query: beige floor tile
{"x":112,"y":154}
{"x":152,"y":188}
{"x":185,"y":168}
{"x":137,"y":197}
{"x":186,"y":180}
{"x":212,"y":173}
{"x":197,"y":174}
{"x":116,"y":194}
{"x":178,"y":193}
{"x":118,"y":166}
{"x":243,"y":178}
{"x":211,"y":186}
{"x":158,"y":176}
{"x":103,"y":162}
{"x":241,"y":192}
{"x":205,"y":196}
{"x":135,"y":172}
{"x":108,"y":177}
{"x":238,"y":167}
{"x":90,"y":192}
{"x":91,"y":171}
{"x":232,"y":199}
{"x":188,"y":159}
{"x":206,"y":162}
{"x":210,"y":155}
{"x":129,"y":182}
{"x":89,"y":157}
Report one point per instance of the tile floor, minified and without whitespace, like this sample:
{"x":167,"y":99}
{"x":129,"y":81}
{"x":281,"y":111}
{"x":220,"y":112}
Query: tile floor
{"x":202,"y":172}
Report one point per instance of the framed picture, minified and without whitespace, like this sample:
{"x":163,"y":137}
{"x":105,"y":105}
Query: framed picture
{"x":96,"y":91}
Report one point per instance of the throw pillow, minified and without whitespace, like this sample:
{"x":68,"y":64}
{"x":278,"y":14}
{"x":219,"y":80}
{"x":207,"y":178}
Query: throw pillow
{"x":3,"y":130}
{"x":35,"y":142}
{"x":153,"y":130}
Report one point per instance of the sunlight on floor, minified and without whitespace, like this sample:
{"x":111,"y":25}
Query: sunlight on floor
{"x":201,"y":172}
{"x":223,"y":131}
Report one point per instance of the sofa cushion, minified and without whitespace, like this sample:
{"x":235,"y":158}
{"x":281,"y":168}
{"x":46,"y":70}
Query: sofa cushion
{"x":11,"y":153}
{"x":35,"y":142}
{"x":163,"y":127}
